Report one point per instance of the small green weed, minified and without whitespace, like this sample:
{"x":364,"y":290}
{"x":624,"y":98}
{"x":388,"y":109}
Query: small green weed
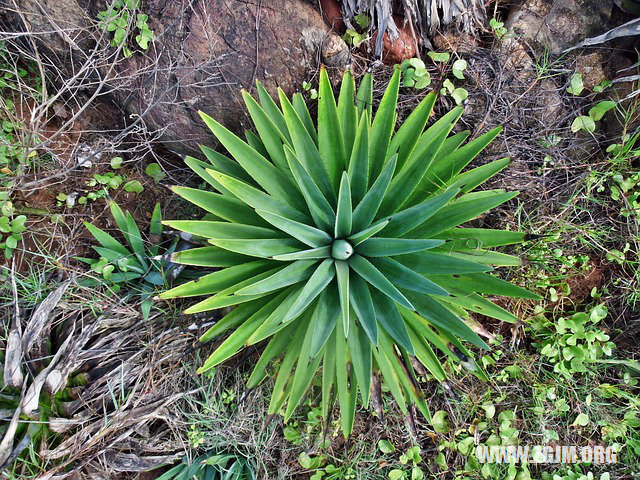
{"x":415,"y":74}
{"x":122,"y":18}
{"x":11,"y":233}
{"x":572,"y":343}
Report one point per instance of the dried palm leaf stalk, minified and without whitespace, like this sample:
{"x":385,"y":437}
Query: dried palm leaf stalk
{"x":426,"y":16}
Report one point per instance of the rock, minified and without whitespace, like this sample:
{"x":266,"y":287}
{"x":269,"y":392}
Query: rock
{"x":333,"y":14}
{"x":591,"y":67}
{"x":558,"y":24}
{"x":458,"y":42}
{"x":399,"y":49}
{"x":204,"y":53}
{"x":334,"y":51}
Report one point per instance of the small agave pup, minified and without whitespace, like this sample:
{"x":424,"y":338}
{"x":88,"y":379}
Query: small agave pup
{"x":340,"y":245}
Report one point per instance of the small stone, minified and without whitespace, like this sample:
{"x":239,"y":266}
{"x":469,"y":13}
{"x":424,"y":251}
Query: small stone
{"x":399,"y":49}
{"x":335,"y":52}
{"x":455,"y":42}
{"x":590,"y":66}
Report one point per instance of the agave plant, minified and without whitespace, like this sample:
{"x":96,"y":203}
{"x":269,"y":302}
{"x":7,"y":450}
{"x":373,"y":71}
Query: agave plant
{"x":210,"y":466}
{"x":132,"y":263}
{"x":339,"y":244}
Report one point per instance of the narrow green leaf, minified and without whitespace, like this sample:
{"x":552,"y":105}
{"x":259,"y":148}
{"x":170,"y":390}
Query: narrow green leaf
{"x":274,"y":324}
{"x":347,"y":111}
{"x":306,"y":151}
{"x":282,"y":385}
{"x":305,"y":371}
{"x":451,"y":144}
{"x":200,"y":168}
{"x":216,"y":230}
{"x":409,"y":176}
{"x":424,"y":330}
{"x":390,"y":378}
{"x":367,"y":209}
{"x":208,"y":257}
{"x":391,"y":321}
{"x":120,"y":219}
{"x":301,"y":109}
{"x":318,"y":281}
{"x":330,"y":142}
{"x":382,"y":127}
{"x":232,"y":319}
{"x":368,"y":232}
{"x":320,"y":209}
{"x":359,"y":161}
{"x":484,"y":283}
{"x":406,"y":375}
{"x":455,"y":214}
{"x":223,"y":206}
{"x":362,"y":304}
{"x":224,"y":164}
{"x":386,"y":247}
{"x":295,"y":272}
{"x":443,"y":170}
{"x":426,"y":355}
{"x":305,"y":233}
{"x":264,"y":248}
{"x":406,"y":220}
{"x":409,"y":132}
{"x":404,"y":277}
{"x":106,"y":240}
{"x":272,"y":138}
{"x":343,"y":213}
{"x":478,"y":304}
{"x":471,"y":179}
{"x":326,"y":315}
{"x":236,"y":340}
{"x":256,"y":198}
{"x":278,"y":344}
{"x":113,"y":256}
{"x":364,"y":98}
{"x":254,"y":142}
{"x":441,"y":317}
{"x":216,"y":281}
{"x":360,"y":350}
{"x":155,"y":226}
{"x":432,"y":263}
{"x":321,"y":252}
{"x":227,"y":297}
{"x":481,"y":256}
{"x":481,"y":237}
{"x":372,"y":275}
{"x":135,"y":237}
{"x":328,"y":375}
{"x":342,"y":274}
{"x":259,"y":168}
{"x":346,"y":412}
{"x":273,"y":111}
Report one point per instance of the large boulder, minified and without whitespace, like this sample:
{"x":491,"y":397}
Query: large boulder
{"x":203,"y":54}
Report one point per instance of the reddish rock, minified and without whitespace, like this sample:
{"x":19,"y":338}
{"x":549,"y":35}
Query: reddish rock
{"x":395,"y":51}
{"x":332,"y":14}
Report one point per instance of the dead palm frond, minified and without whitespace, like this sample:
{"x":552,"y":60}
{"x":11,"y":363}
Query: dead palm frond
{"x":424,"y":16}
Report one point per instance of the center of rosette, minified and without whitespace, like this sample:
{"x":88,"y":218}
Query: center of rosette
{"x":341,"y":250}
